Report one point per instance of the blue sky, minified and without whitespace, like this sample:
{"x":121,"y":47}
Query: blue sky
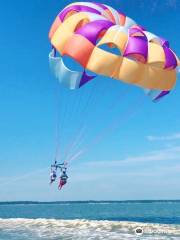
{"x":130,"y":151}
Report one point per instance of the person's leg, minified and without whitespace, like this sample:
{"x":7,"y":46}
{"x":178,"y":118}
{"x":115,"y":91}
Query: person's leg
{"x":61,"y":184}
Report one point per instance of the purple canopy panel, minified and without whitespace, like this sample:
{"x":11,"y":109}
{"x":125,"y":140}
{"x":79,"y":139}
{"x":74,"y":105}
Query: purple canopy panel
{"x":134,"y":30}
{"x":136,"y":44}
{"x":92,"y":30}
{"x":170,"y":58}
{"x":77,"y":8}
{"x":164,"y":42}
{"x":162,"y":94}
{"x":85,"y":78}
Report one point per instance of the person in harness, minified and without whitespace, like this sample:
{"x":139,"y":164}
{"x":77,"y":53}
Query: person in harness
{"x":53,"y":176}
{"x":63,"y":179}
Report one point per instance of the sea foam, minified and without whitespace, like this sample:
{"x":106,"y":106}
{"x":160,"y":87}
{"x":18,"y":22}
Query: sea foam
{"x":51,"y":229}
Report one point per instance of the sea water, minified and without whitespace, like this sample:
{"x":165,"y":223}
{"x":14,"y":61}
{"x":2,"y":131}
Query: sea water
{"x":90,"y":220}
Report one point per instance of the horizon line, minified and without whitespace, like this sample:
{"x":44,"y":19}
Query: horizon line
{"x":88,"y":201}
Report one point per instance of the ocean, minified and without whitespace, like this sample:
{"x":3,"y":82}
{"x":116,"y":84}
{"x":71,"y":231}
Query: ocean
{"x":90,"y":220}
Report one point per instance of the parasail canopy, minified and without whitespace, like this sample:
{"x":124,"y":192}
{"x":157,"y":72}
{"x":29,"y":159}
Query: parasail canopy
{"x":82,"y":29}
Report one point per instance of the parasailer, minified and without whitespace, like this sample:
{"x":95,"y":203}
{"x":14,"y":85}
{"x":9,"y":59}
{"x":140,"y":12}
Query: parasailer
{"x":63,"y":179}
{"x":53,"y":174}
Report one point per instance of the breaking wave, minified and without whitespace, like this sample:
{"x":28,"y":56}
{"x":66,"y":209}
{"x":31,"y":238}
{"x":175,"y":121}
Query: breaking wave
{"x":51,"y":229}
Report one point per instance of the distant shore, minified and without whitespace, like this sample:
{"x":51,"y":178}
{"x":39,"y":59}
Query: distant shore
{"x":87,"y":201}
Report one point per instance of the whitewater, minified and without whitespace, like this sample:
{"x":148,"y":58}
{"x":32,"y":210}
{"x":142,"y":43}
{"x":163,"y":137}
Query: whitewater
{"x":52,"y":229}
